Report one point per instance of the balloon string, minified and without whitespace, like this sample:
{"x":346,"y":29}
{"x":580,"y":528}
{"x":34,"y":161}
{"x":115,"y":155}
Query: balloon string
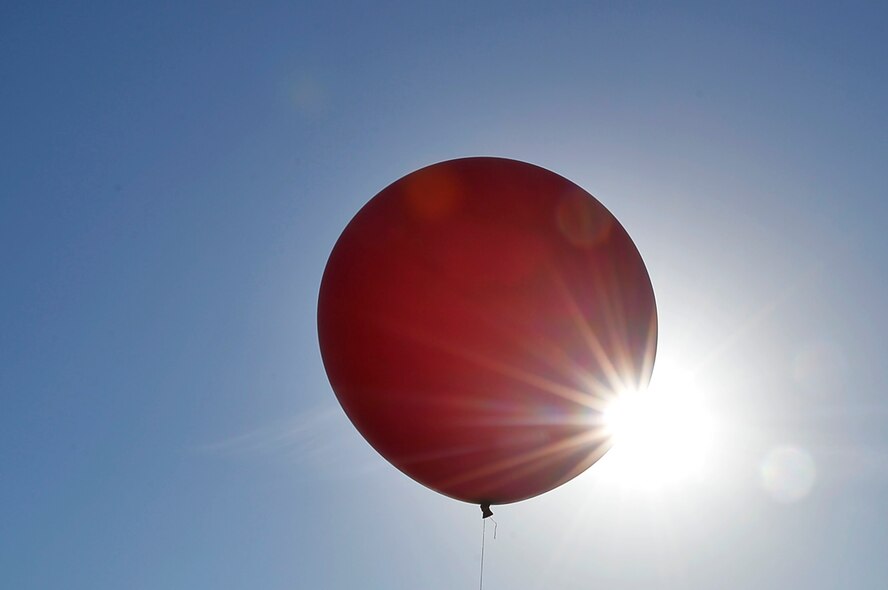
{"x":483,"y":529}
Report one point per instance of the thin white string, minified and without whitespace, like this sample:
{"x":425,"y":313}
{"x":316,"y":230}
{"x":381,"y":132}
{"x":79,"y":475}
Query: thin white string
{"x":483,"y":530}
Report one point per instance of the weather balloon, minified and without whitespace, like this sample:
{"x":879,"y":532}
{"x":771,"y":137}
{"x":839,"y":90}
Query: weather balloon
{"x":475,"y":318}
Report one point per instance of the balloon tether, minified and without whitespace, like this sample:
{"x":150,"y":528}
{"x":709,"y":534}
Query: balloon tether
{"x":486,"y":513}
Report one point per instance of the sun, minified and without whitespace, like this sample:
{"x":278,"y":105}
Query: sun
{"x":661,"y":435}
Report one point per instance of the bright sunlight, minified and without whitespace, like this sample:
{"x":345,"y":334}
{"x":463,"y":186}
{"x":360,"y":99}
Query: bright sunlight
{"x":661,"y":436}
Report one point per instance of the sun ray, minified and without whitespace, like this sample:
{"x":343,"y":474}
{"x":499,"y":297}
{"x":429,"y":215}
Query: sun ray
{"x":510,"y":463}
{"x":756,"y":318}
{"x":579,"y":397}
{"x":588,"y":335}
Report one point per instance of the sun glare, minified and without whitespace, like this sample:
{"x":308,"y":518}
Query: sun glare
{"x":661,"y":435}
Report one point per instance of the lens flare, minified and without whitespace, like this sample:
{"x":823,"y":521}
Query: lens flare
{"x":788,"y":474}
{"x":661,"y":436}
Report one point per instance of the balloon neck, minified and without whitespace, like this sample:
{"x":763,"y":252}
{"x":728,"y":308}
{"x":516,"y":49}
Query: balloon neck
{"x":486,"y":512}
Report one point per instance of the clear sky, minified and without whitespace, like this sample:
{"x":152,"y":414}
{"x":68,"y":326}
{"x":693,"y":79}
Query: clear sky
{"x":173,"y":176}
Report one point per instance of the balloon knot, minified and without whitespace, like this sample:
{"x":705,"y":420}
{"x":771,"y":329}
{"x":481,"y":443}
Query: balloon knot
{"x":486,"y":512}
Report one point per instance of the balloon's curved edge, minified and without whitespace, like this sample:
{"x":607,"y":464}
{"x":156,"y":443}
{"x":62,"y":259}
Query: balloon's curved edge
{"x":608,"y":443}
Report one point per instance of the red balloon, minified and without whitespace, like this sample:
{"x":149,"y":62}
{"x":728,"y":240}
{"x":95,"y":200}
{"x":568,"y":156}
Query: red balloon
{"x":474,"y":319}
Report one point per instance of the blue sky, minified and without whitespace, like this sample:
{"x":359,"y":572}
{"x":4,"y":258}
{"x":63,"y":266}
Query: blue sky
{"x":173,"y":177}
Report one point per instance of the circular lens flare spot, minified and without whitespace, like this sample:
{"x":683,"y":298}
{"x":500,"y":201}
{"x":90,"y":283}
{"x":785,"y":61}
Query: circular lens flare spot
{"x":788,"y":474}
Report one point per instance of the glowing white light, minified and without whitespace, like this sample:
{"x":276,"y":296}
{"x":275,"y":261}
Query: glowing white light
{"x":661,"y":436}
